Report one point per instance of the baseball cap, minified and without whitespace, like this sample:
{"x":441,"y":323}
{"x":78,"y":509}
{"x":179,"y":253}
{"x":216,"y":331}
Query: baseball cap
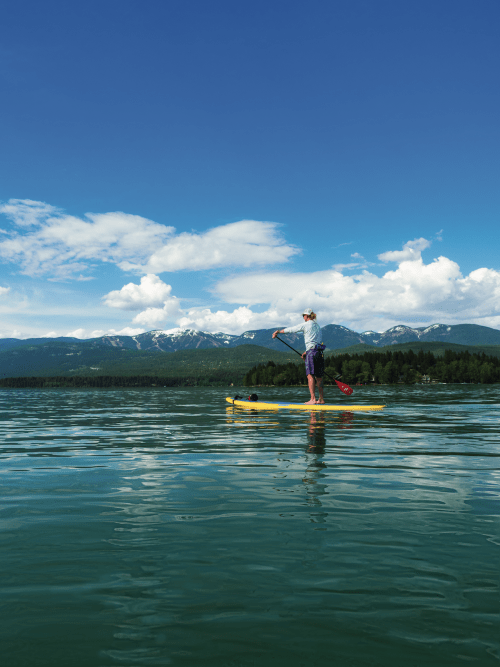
{"x":307,"y":311}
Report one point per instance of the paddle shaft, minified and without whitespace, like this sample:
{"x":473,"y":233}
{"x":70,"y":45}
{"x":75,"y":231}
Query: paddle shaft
{"x":328,"y":376}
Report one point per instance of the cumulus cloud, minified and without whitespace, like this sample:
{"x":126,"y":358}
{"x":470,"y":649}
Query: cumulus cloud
{"x":43,"y":240}
{"x":77,"y":333}
{"x":427,"y":293}
{"x":239,"y":320}
{"x":152,"y":295}
{"x":153,"y":317}
{"x":413,"y":291}
{"x":151,"y":292}
{"x":46,"y":241}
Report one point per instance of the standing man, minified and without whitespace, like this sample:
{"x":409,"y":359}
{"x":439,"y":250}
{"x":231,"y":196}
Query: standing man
{"x":315,"y":364}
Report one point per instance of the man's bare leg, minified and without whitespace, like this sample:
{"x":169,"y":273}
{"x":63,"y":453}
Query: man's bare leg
{"x":311,"y":384}
{"x":319,"y":384}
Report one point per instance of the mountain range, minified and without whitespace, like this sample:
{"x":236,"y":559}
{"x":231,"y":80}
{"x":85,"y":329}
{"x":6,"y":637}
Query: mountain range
{"x":200,"y":351}
{"x":334,"y":337}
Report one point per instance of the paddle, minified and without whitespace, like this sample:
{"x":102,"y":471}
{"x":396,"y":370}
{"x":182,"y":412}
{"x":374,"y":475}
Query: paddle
{"x":343,"y":387}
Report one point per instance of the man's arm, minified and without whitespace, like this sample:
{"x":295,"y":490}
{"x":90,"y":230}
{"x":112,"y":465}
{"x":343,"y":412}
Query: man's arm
{"x":296,"y":329}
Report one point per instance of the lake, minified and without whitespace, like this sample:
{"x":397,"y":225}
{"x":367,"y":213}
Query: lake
{"x":166,"y":527}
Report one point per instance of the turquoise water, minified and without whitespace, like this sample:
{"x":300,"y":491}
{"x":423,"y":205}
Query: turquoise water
{"x":165,"y":527}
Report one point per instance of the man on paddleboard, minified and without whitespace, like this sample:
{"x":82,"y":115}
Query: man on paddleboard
{"x":313,"y":356}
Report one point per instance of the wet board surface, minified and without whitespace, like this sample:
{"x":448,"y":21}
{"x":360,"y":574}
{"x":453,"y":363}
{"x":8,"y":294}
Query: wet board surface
{"x":285,"y":405}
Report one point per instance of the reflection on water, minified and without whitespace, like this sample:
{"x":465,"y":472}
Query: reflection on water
{"x":154,"y":527}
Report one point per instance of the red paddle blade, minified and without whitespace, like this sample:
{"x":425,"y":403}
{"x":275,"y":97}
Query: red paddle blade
{"x":344,"y":388}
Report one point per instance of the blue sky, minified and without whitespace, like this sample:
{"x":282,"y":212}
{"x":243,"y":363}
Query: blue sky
{"x":223,"y":165}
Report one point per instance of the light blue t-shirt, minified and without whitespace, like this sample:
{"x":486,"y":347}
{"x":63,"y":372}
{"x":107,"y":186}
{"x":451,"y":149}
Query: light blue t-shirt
{"x":312,"y":333}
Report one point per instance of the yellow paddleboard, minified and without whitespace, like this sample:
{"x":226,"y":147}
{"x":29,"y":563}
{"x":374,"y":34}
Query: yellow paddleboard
{"x":280,"y":405}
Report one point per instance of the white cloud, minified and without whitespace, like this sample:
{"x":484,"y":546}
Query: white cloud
{"x":239,"y":320}
{"x":14,"y":333}
{"x":411,"y":252}
{"x":64,"y":246}
{"x":152,"y":317}
{"x":245,"y":243}
{"x":44,"y":240}
{"x":77,"y":333}
{"x":26,"y":212}
{"x":413,"y":291}
{"x":151,"y":292}
{"x":152,"y":295}
{"x":351,"y":265}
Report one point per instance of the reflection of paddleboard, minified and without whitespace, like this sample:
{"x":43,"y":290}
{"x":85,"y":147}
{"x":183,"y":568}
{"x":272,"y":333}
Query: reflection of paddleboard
{"x":277,"y":405}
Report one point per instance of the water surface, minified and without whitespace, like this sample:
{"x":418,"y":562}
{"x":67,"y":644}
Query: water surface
{"x":165,"y":527}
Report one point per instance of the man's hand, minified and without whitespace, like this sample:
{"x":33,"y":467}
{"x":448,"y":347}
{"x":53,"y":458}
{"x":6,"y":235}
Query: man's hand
{"x":276,"y":333}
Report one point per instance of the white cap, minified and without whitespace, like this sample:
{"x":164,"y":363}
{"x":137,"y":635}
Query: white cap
{"x":307,"y":311}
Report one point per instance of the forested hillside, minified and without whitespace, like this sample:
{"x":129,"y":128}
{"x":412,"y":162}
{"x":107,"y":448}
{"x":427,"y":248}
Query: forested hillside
{"x":52,"y":366}
{"x":59,"y":364}
{"x":387,"y":367}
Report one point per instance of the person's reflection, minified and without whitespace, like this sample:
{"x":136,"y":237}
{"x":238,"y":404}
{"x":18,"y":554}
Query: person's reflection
{"x":316,"y":430}
{"x":315,"y":474}
{"x":315,"y":470}
{"x":316,"y":433}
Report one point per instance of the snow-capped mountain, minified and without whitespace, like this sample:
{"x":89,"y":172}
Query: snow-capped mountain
{"x":462,"y":334}
{"x":334,"y":337}
{"x":169,"y":341}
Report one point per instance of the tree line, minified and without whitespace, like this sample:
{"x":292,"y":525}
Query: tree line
{"x":216,"y":380}
{"x":386,"y":368}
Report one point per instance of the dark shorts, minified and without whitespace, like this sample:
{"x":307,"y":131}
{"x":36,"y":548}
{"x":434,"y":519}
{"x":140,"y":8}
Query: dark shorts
{"x":315,"y":363}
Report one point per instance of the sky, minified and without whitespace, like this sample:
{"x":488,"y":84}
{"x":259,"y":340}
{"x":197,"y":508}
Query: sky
{"x":224,"y":165}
